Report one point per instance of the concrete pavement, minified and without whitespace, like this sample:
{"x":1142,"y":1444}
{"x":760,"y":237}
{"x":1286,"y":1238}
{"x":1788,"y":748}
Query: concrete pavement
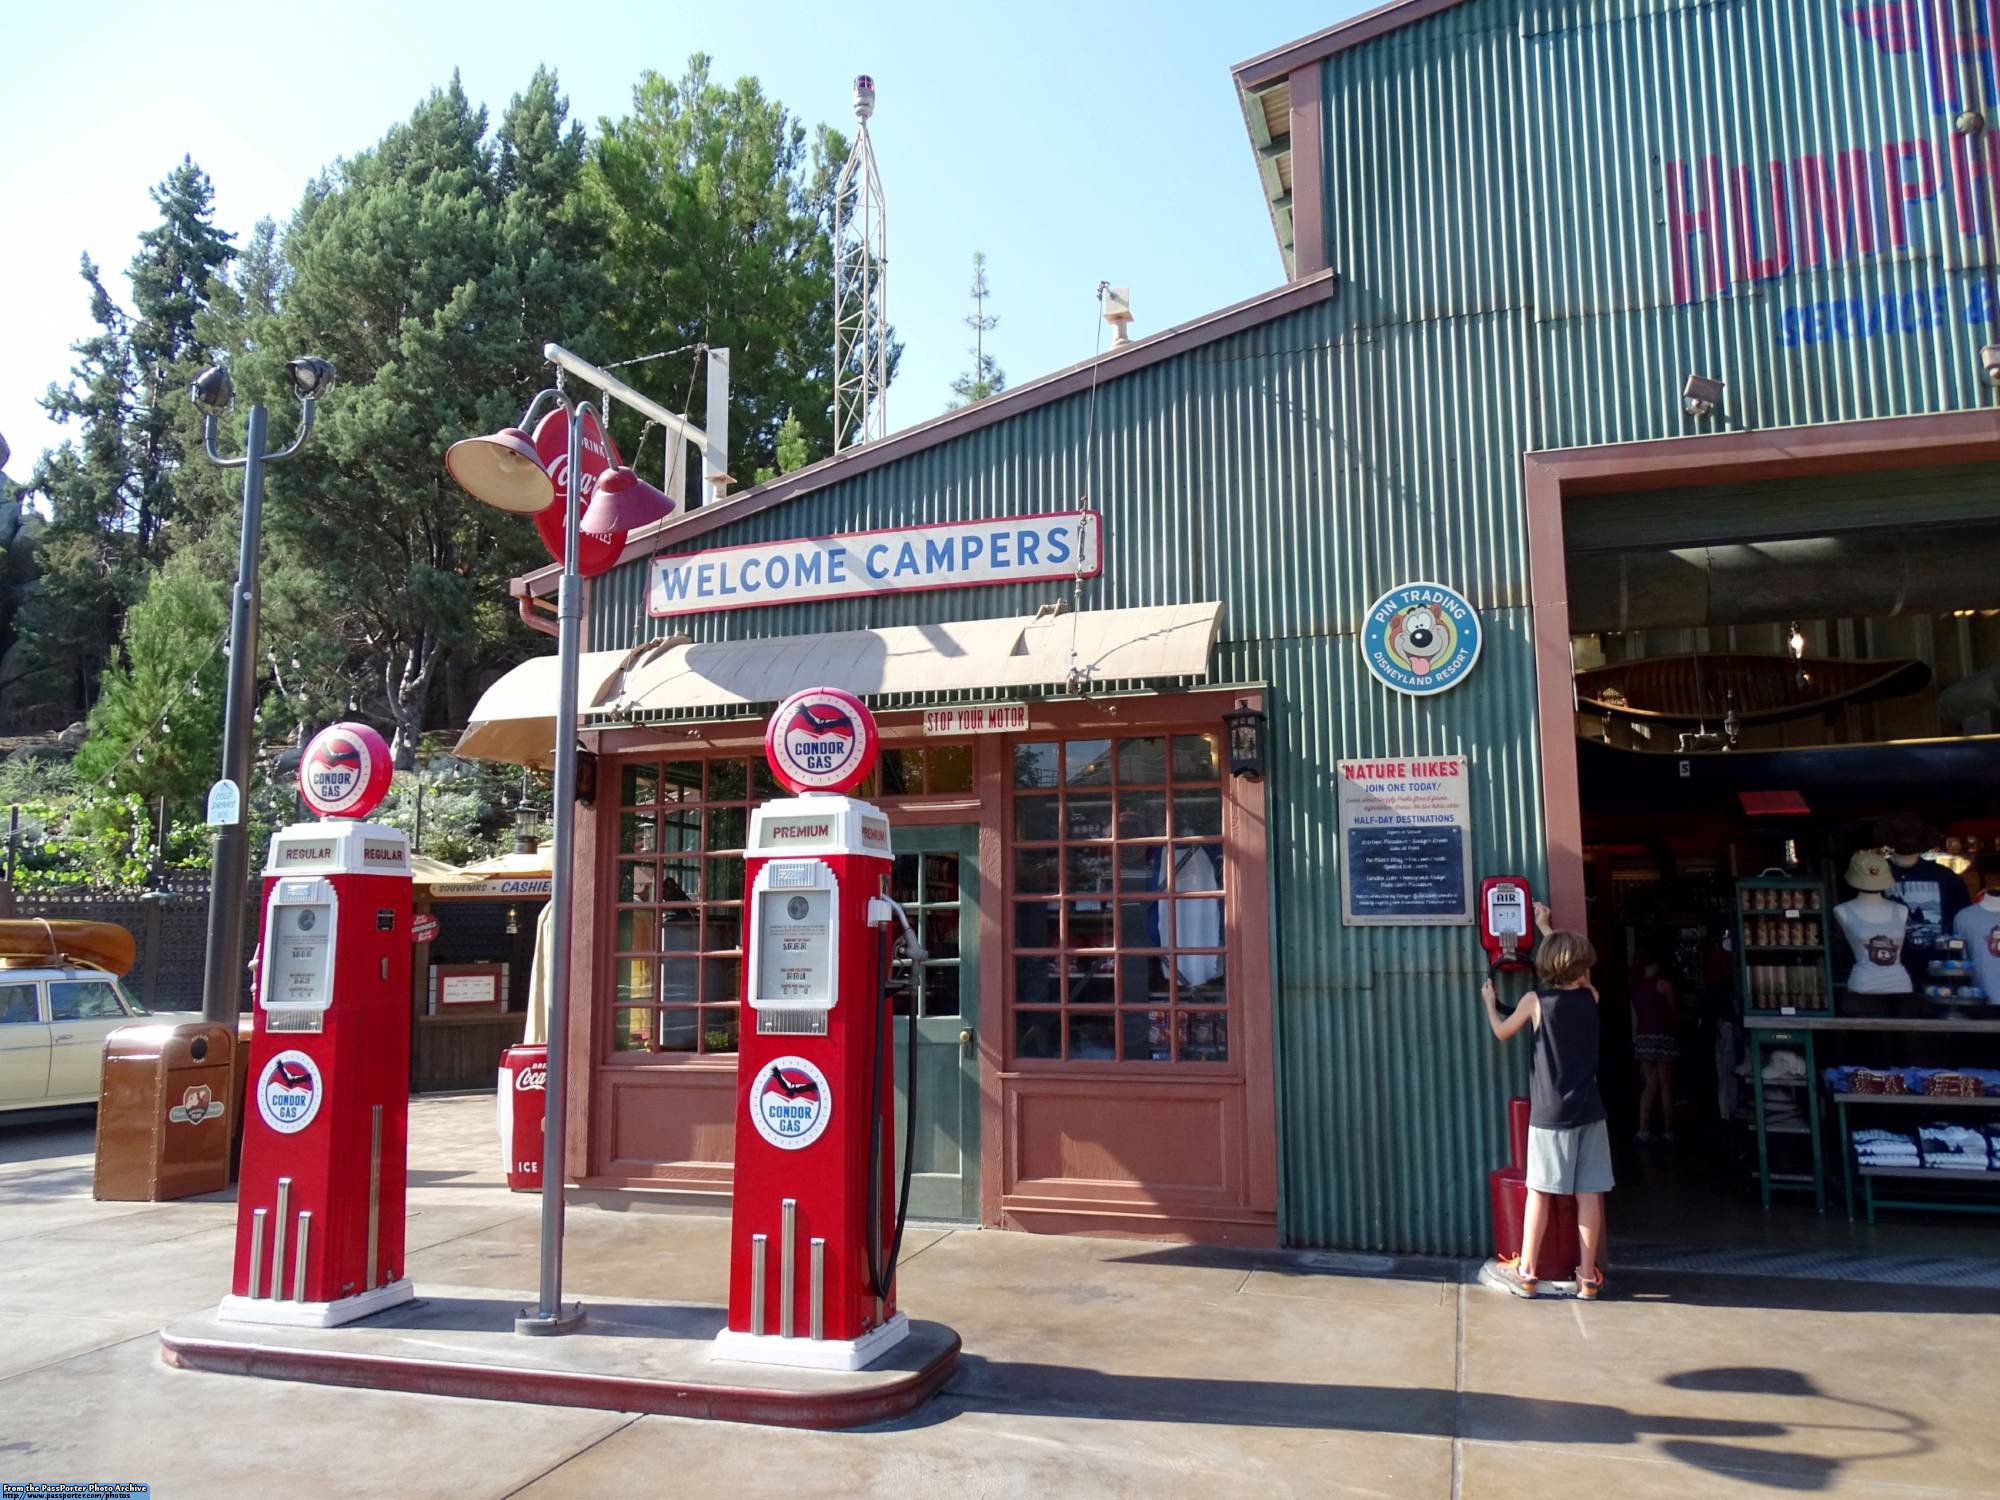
{"x":1092,"y":1368}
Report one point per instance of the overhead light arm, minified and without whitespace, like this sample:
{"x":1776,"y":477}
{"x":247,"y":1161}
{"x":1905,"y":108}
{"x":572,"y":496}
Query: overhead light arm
{"x":611,"y":385}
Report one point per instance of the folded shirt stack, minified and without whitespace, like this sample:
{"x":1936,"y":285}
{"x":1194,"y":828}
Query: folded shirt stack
{"x":1953,"y":1148}
{"x":1887,"y":1148}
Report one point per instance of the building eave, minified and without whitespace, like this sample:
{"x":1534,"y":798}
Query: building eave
{"x":1260,"y":72}
{"x":1277,"y":72}
{"x":1114,"y":363}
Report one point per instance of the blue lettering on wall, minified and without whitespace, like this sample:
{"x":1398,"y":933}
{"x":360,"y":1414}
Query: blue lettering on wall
{"x":1843,"y":320}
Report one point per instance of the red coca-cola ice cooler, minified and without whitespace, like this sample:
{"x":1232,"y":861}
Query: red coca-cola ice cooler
{"x":523,"y":1104}
{"x":1508,"y":1189}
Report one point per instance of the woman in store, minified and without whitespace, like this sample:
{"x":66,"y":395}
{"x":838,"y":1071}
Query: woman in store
{"x":1655,"y":1047}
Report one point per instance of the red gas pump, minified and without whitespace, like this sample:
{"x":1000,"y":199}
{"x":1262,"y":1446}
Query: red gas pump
{"x":815,"y":1226}
{"x":319,"y":1222}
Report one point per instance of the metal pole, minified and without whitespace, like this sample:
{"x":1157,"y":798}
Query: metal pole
{"x":222,"y":978}
{"x":550,"y":1316}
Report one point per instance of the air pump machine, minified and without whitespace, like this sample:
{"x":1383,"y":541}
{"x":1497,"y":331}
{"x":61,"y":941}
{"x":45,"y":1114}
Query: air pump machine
{"x":815,"y":1229}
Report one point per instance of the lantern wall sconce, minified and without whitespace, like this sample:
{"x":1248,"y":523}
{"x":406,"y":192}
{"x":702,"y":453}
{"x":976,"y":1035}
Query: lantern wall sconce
{"x":1245,"y":728}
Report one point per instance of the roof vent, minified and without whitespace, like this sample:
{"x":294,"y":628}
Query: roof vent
{"x":1117,"y":302}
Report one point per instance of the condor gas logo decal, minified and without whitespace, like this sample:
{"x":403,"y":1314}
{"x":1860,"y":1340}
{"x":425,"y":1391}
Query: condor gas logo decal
{"x":1421,"y":638}
{"x":821,"y":740}
{"x":289,"y":1092}
{"x":790,"y":1103}
{"x":344,"y":772}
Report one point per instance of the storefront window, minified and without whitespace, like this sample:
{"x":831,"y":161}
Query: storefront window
{"x":1117,"y":904}
{"x":678,"y":938}
{"x":679,"y":926}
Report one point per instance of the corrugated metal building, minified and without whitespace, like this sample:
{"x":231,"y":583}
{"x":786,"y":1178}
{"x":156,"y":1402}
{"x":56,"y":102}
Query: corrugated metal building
{"x":1512,"y":230}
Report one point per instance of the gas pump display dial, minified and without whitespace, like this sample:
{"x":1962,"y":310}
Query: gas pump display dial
{"x":792,"y":936}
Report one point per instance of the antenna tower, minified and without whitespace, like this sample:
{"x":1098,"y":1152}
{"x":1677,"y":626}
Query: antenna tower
{"x":860,"y":295}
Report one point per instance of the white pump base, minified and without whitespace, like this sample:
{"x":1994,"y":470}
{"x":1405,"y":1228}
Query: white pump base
{"x":812,"y":1354}
{"x":332,"y":1314}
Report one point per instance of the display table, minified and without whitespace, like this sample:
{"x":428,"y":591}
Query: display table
{"x":1801,"y":1032}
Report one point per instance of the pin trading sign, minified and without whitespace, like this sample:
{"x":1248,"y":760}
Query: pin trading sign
{"x":1405,"y":842}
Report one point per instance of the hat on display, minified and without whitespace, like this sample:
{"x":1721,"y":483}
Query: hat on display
{"x":1869,"y":871}
{"x":1904,"y":834}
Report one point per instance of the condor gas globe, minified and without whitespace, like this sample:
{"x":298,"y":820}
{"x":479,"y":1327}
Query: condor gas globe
{"x":345,"y":771}
{"x":821,"y":740}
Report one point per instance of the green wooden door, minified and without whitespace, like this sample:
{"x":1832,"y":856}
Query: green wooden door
{"x":935,"y":868}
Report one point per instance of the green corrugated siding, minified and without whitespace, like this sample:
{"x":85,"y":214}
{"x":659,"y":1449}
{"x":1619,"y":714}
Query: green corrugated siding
{"x":1295,"y":472}
{"x":1512,"y":155}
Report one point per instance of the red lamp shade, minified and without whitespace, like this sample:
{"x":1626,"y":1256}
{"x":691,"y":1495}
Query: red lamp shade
{"x":502,"y":471}
{"x":623,"y":502}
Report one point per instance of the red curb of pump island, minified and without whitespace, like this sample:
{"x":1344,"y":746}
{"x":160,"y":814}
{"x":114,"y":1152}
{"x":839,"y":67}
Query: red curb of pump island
{"x":811,"y":1399}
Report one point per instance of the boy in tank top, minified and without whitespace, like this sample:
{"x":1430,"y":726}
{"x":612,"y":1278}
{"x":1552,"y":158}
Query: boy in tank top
{"x":1569,"y":1145}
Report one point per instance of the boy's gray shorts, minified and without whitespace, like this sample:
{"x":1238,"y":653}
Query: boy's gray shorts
{"x":1576,"y":1160}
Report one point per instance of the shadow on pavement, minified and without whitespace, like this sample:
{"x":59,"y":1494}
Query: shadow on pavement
{"x":1685,"y":1288}
{"x":1708,"y":1443}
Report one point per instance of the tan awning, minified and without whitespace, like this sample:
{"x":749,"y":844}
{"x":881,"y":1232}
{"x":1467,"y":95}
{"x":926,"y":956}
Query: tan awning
{"x":427,"y":871}
{"x":515,"y":719}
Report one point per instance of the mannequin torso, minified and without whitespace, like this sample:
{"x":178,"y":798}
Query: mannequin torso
{"x":1979,"y":926}
{"x":1874,"y":927}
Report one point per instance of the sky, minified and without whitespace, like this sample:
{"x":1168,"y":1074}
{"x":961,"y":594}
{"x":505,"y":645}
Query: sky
{"x":1072,"y":144}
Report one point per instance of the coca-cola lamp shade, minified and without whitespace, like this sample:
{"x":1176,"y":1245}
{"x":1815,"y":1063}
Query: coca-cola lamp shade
{"x":503,"y":471}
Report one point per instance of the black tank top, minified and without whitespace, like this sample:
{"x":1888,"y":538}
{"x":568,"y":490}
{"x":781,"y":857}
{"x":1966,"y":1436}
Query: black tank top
{"x":1563,"y":1091}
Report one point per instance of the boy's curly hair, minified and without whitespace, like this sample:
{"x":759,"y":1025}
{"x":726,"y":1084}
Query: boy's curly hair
{"x":1563,"y":958}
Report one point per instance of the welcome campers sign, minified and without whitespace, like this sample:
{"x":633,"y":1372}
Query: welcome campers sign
{"x":901,"y":560}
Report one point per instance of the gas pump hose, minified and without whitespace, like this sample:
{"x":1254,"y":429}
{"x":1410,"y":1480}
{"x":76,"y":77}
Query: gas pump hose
{"x":880,"y":1276}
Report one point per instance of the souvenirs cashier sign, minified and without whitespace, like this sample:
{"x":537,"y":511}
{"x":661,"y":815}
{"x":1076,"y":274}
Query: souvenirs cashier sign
{"x":903,"y":560}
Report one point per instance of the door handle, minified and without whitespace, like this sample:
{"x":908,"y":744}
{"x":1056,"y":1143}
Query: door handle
{"x":65,"y":1036}
{"x":965,"y":1041}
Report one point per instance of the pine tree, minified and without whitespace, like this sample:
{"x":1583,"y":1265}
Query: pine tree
{"x":416,"y":266}
{"x":171,"y":275}
{"x":985,"y":377}
{"x":717,"y":212}
{"x":157,"y":722}
{"x":87,"y":565}
{"x":792,"y":450}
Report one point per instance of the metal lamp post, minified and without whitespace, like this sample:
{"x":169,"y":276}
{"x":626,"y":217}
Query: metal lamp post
{"x":213,"y":391}
{"x":504,"y":471}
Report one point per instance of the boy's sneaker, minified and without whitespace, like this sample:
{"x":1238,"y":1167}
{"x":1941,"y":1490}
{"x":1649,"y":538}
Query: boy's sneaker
{"x":1644,"y":1138}
{"x":1590,"y":1291}
{"x":1506,"y":1272}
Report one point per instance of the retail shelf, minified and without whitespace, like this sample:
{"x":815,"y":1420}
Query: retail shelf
{"x":1863,"y":1023}
{"x":1933,"y":1174}
{"x":1927,"y":1101}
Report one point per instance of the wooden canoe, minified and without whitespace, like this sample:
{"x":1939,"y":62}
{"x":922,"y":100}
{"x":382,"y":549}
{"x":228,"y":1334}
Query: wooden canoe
{"x":1762,"y":689}
{"x":90,"y":945}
